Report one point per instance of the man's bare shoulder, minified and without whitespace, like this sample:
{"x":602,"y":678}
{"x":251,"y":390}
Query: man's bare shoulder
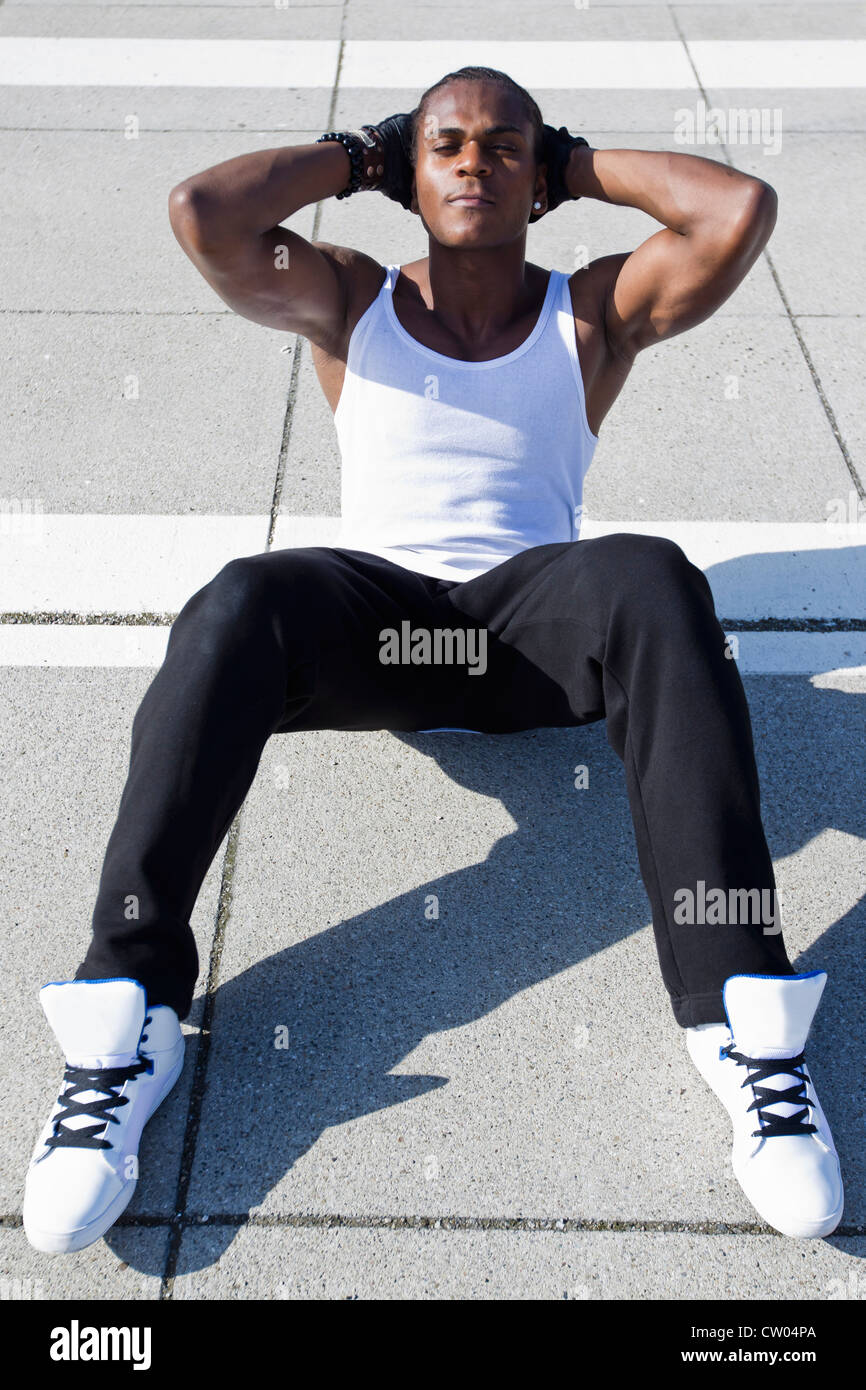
{"x":604,"y":370}
{"x":592,"y":286}
{"x":594,"y":282}
{"x":361,"y":277}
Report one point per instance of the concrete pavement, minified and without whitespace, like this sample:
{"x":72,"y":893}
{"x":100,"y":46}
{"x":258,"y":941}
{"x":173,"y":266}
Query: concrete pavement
{"x":494,"y":1102}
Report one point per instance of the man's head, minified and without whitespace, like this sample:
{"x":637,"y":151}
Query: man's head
{"x":476,"y":130}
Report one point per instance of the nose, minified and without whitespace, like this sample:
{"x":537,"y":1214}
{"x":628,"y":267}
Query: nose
{"x":472,"y":155}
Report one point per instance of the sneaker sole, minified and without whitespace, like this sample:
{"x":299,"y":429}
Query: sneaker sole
{"x":65,"y":1242}
{"x":803,"y":1230}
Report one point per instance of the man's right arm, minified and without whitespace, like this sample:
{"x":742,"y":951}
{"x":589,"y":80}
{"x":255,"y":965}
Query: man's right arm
{"x":227,"y":221}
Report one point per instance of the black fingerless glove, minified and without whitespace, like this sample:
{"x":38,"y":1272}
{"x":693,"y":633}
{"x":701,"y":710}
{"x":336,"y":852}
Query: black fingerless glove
{"x":556,"y":149}
{"x":395,"y":133}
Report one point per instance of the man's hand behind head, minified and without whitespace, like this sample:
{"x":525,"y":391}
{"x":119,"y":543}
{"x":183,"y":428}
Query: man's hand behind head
{"x":556,"y":149}
{"x":394,"y":142}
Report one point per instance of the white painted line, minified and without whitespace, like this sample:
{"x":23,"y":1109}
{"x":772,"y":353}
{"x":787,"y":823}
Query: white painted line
{"x":305,"y":530}
{"x":90,"y":644}
{"x":773,"y":63}
{"x":67,"y":62}
{"x":618,"y":64}
{"x":97,"y":562}
{"x":842,"y":678}
{"x":152,"y":564}
{"x":829,"y":655}
{"x":799,"y":653}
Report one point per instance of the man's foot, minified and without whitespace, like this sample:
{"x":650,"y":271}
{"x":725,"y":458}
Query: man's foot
{"x":122,"y":1060}
{"x":783,"y":1154}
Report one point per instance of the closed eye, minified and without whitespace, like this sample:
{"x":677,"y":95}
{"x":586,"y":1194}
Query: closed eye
{"x":440,"y":149}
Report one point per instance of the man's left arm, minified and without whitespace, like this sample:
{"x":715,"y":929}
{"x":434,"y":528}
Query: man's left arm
{"x":716,"y":223}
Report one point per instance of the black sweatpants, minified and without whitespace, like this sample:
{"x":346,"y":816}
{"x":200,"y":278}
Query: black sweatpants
{"x":621,"y":626}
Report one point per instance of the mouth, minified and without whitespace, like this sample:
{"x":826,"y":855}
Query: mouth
{"x":472,"y":200}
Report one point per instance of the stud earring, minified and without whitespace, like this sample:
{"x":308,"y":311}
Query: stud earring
{"x":536,"y":205}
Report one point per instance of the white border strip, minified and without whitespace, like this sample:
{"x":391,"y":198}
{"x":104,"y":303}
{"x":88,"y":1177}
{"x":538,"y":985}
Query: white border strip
{"x":571,"y":65}
{"x":96,"y":562}
{"x":70,"y":62}
{"x":94,"y":644}
{"x":795,"y":63}
{"x":90,"y":644}
{"x":90,"y":562}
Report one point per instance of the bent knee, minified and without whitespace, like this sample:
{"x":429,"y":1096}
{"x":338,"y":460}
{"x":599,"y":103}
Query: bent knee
{"x":634,"y":553}
{"x":642,"y":568}
{"x":636,"y":544}
{"x":240,"y":584}
{"x":300,"y":580}
{"x":247,"y":585}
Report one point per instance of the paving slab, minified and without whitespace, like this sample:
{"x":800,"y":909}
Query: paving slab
{"x":130,"y":563}
{"x":319,"y":7}
{"x":311,"y":474}
{"x":712,"y":5}
{"x":124,"y":256}
{"x":812,"y":283}
{"x":84,"y":19}
{"x":128,"y":1264}
{"x":707,"y":424}
{"x":264,"y":116}
{"x":534,"y":20}
{"x":736,"y":20}
{"x":152,"y":413}
{"x":837,"y":346}
{"x":341,"y":1263}
{"x":64,"y":755}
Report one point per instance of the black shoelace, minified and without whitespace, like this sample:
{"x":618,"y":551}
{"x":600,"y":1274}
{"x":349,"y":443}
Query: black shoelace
{"x":107,"y":1080}
{"x":759,"y":1069}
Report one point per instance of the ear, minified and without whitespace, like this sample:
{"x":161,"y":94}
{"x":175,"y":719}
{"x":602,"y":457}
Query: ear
{"x":540,"y":194}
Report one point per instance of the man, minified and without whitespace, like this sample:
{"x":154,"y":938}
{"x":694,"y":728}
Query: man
{"x":468,"y":391}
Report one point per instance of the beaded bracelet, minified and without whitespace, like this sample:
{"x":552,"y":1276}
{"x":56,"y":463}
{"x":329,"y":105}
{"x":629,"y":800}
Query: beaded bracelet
{"x":353,"y":141}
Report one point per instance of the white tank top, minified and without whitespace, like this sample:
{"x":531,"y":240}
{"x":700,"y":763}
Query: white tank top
{"x":450,"y":467}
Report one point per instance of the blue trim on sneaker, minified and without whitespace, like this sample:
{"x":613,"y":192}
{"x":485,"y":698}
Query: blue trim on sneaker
{"x":806,"y":975}
{"x":746,"y":976}
{"x":110,"y":980}
{"x":115,"y":980}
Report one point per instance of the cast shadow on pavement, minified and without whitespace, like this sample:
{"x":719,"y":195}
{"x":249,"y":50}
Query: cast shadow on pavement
{"x":361,"y":995}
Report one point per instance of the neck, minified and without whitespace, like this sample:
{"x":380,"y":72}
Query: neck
{"x":479,"y":293}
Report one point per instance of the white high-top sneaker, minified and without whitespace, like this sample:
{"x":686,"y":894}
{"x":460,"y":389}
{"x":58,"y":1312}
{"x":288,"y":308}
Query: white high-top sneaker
{"x":783,"y":1154}
{"x":84,"y":1168}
